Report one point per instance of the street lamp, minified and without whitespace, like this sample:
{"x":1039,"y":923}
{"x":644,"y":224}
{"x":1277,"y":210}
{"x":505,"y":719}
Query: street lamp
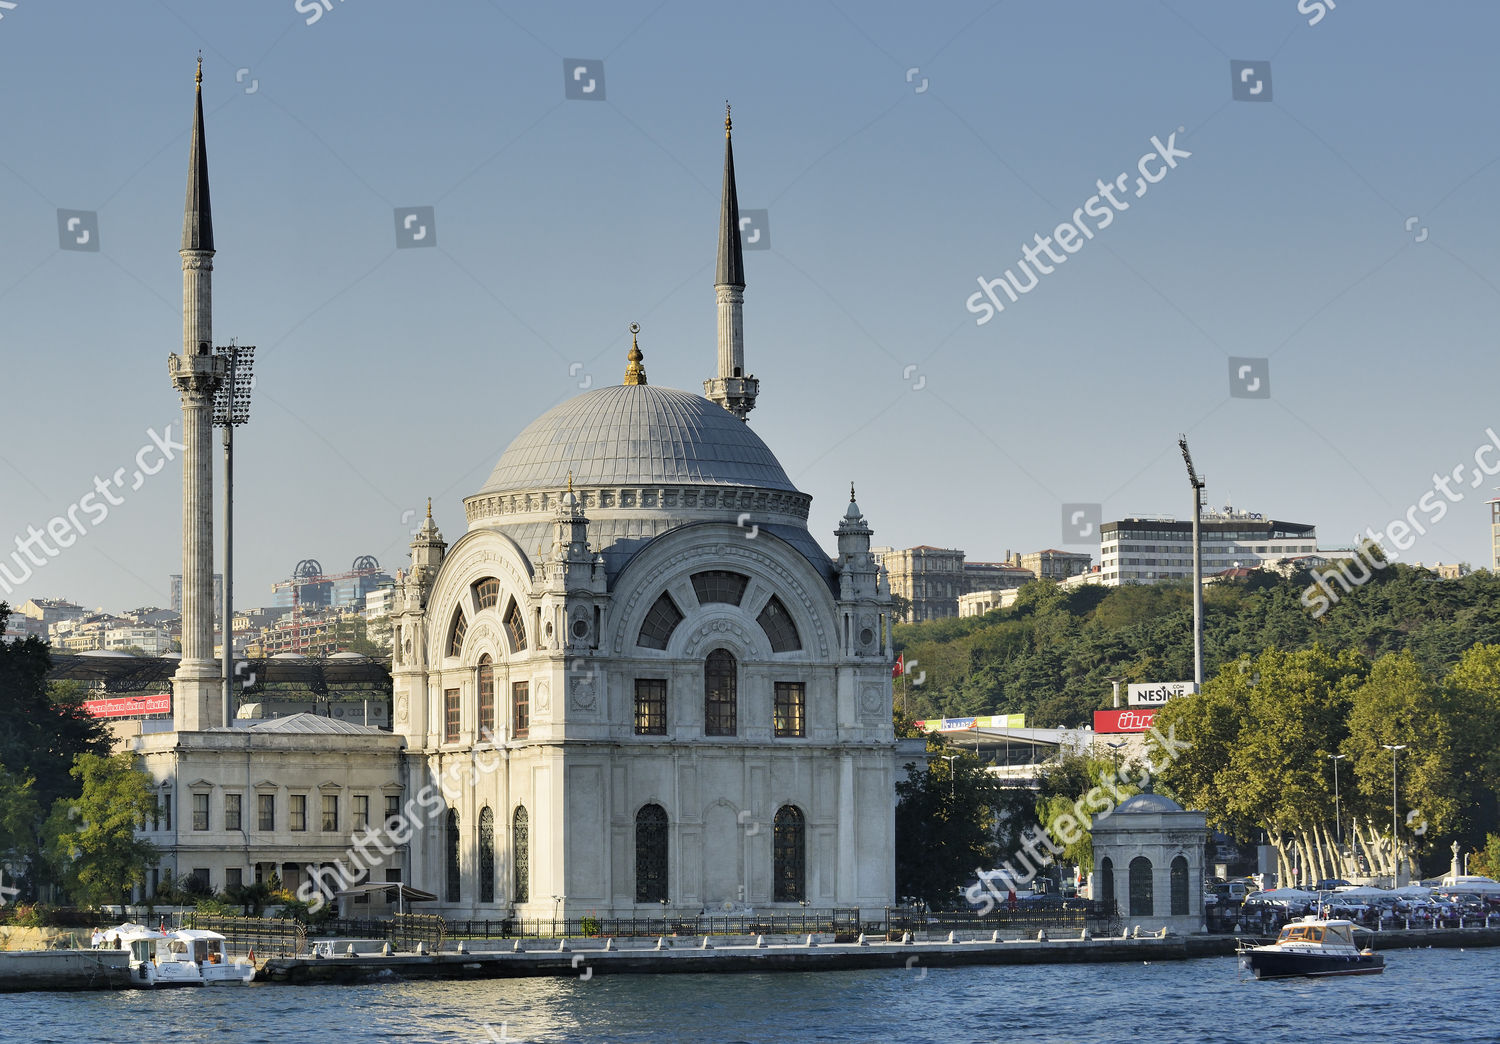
{"x":950,"y":759}
{"x":1338,"y":823}
{"x":1395,"y":851}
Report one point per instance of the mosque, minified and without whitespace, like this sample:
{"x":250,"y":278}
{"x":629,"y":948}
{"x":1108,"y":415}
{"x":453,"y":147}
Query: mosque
{"x":636,"y":683}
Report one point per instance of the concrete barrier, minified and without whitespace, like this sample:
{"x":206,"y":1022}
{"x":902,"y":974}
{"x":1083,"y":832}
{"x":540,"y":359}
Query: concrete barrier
{"x":64,"y":970}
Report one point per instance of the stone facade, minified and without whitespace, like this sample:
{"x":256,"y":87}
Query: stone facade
{"x":1148,"y":856}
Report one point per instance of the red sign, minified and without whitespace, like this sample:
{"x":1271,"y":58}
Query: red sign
{"x":129,"y":706}
{"x":1134,"y":720}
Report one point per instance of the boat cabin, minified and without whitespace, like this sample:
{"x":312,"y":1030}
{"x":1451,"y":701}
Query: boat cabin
{"x":1326,"y":933}
{"x":200,"y":948}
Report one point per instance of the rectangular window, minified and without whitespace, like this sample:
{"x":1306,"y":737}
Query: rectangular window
{"x":232,"y":811}
{"x":361,"y":811}
{"x":450,"y":715}
{"x":791,"y":709}
{"x":520,"y":703}
{"x":485,"y":727}
{"x":234,"y":878}
{"x":650,"y":707}
{"x":156,"y":800}
{"x":200,"y":811}
{"x":330,"y":813}
{"x":166,"y":811}
{"x":200,"y":876}
{"x":392,"y":808}
{"x":266,"y":806}
{"x":299,"y":812}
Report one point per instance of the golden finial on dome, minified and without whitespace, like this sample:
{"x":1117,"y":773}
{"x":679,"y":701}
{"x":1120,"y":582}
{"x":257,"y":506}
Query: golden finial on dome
{"x":635,"y":373}
{"x":570,"y":480}
{"x":728,"y":125}
{"x":200,"y":69}
{"x":429,"y":509}
{"x":851,"y":492}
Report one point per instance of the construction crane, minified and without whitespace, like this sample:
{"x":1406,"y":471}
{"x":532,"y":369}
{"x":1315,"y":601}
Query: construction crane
{"x":309,"y":573}
{"x":1197,"y":484}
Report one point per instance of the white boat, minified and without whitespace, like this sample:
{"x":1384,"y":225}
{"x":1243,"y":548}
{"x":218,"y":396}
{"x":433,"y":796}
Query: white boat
{"x":1315,"y":947}
{"x":191,"y":953}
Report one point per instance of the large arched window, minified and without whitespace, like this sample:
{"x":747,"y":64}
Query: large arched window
{"x":1180,"y":887}
{"x":486,"y":855}
{"x":777,"y":623}
{"x":661,"y":620}
{"x":1141,"y":902}
{"x":515,"y":627}
{"x":789,"y":845}
{"x":1107,"y":879}
{"x":720,"y":694}
{"x":720,"y":585}
{"x":651,"y":854}
{"x":456,"y":631}
{"x":520,"y":851}
{"x":454,"y":877}
{"x":485,"y":725}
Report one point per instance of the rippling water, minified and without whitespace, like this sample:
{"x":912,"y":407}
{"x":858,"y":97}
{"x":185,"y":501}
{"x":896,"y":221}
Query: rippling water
{"x":1424,"y":995}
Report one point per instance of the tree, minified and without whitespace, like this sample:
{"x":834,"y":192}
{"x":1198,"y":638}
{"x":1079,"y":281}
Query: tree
{"x":1062,"y":804}
{"x":18,"y":817}
{"x":946,"y":815}
{"x":46,"y":727}
{"x":92,"y":842}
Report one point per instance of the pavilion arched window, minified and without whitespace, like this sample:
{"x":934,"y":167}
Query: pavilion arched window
{"x":1107,"y":879}
{"x":1180,"y":887}
{"x":1142,"y":902}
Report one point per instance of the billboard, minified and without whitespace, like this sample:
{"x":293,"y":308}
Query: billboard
{"x":1123,"y":720}
{"x":987,"y":721}
{"x":129,"y":706}
{"x":1154,"y":694}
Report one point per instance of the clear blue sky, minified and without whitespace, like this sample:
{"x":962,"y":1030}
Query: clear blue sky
{"x":386,"y":375}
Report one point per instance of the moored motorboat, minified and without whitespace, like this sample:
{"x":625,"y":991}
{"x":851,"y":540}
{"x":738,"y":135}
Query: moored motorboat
{"x":198,"y":958}
{"x":1315,"y":947}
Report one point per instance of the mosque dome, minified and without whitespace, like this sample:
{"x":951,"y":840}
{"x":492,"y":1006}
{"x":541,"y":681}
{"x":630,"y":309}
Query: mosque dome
{"x":1148,"y":802}
{"x":636,"y":435}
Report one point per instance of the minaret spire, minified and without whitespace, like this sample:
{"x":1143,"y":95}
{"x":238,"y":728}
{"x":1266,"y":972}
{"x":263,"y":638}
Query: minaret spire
{"x":197,"y":374}
{"x":732,"y":388}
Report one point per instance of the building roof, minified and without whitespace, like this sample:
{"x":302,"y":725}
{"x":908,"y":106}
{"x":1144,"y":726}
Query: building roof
{"x":637,"y":435}
{"x":1147,"y":803}
{"x":313,"y":724}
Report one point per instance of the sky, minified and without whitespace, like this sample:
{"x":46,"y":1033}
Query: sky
{"x":1306,"y":285}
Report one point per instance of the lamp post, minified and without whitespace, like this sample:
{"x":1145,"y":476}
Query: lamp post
{"x":1338,"y":822}
{"x":231,"y":408}
{"x":1395,"y":850}
{"x":950,"y":759}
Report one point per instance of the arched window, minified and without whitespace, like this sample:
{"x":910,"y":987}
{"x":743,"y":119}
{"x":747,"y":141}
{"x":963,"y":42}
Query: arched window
{"x":1107,"y":879}
{"x":456,"y":632}
{"x":789,"y":844}
{"x":485,"y":726}
{"x":454,"y":877}
{"x":486,"y":855}
{"x":777,"y":623}
{"x":515,"y":627}
{"x":720,"y":585}
{"x":1141,"y":901}
{"x":651,"y":854}
{"x":1180,"y":887}
{"x":661,"y":620}
{"x":520,"y":850}
{"x":487,"y":593}
{"x":720,"y":694}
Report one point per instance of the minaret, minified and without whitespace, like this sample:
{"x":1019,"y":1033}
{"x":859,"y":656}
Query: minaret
{"x":197,"y":374}
{"x":731,"y":389}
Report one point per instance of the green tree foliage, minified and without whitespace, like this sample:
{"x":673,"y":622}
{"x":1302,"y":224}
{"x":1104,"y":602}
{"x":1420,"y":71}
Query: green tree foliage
{"x":92,"y":841}
{"x":45,"y":728}
{"x":1051,"y":654}
{"x":18,"y":816}
{"x":1063,"y":808}
{"x":946,"y":817}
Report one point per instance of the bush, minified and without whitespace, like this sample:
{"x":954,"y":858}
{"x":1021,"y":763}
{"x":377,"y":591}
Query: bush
{"x":591,"y":926}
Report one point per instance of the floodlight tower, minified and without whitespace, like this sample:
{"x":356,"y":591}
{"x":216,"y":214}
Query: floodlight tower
{"x":1197,"y":484}
{"x":231,"y":408}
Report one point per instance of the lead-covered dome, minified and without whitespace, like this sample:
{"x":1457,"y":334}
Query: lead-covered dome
{"x":636,"y":434}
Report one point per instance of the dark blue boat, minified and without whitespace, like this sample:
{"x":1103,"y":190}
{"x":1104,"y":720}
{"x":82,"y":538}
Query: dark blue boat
{"x":1313,"y":947}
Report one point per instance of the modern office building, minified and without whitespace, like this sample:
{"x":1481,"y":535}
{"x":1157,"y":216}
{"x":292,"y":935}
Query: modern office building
{"x":1148,"y":550}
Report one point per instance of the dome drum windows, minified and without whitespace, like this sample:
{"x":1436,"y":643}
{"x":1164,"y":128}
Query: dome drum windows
{"x":515,"y":627}
{"x":456,"y":631}
{"x":486,"y":593}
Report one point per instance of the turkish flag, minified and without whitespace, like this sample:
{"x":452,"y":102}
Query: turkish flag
{"x":899,"y":667}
